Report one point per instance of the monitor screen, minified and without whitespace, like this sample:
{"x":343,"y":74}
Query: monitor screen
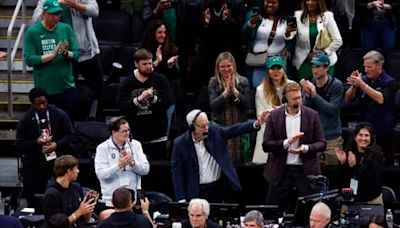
{"x":270,"y":212}
{"x":305,"y":203}
{"x":364,"y":212}
{"x":224,"y":212}
{"x":178,"y":211}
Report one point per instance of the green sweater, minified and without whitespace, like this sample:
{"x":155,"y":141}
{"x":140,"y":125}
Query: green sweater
{"x":56,"y":75}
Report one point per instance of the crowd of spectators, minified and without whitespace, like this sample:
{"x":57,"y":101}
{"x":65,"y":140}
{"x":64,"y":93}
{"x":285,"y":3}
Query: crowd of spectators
{"x":260,"y":59}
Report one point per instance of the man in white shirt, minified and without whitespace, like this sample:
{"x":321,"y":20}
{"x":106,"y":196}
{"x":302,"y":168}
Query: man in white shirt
{"x":119,"y":161}
{"x":294,"y":135}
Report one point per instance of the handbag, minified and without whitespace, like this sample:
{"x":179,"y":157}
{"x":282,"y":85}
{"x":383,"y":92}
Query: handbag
{"x":259,"y":59}
{"x":324,"y":39}
{"x":256,"y":59}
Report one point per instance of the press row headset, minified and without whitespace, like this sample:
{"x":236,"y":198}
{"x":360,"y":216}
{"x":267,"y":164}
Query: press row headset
{"x":192,"y":126}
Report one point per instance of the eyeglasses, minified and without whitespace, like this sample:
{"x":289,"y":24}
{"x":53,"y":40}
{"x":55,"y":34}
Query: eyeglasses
{"x":125,"y":131}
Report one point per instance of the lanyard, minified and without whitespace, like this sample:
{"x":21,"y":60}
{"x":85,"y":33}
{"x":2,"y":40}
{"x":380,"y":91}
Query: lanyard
{"x":116,"y":145}
{"x":41,"y":120}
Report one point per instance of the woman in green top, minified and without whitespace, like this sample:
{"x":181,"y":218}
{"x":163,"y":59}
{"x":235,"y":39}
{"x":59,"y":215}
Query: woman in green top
{"x":311,"y":20}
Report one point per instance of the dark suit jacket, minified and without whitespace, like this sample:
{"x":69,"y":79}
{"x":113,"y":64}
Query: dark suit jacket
{"x":275,"y":134}
{"x":185,"y":165}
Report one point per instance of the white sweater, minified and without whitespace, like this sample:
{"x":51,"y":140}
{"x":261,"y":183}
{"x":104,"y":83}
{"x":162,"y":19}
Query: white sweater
{"x":111,"y":176}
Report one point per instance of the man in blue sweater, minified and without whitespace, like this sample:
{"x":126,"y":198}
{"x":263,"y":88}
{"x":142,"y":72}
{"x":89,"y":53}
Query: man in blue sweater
{"x":324,"y":94}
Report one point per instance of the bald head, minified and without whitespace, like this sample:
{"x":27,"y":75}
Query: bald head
{"x":320,"y":215}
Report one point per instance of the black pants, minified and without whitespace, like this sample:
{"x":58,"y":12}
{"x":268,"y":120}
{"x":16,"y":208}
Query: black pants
{"x":92,"y":71}
{"x":212,"y":192}
{"x":293,"y":177}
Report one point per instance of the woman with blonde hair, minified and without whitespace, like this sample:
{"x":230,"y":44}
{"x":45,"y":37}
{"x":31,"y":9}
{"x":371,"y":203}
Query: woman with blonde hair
{"x":229,"y":97}
{"x":269,"y":97}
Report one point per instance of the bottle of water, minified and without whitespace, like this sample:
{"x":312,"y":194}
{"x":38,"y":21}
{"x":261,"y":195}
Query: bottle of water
{"x":389,"y":218}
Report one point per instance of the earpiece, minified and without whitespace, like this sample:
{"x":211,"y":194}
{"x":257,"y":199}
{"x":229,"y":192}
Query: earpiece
{"x":192,"y":127}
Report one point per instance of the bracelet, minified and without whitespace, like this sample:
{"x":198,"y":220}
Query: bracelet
{"x":73,"y":216}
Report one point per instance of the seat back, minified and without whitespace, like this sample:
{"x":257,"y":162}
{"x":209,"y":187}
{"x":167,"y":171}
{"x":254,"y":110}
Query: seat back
{"x":388,"y":196}
{"x":38,"y":203}
{"x":349,"y":61}
{"x":112,"y":26}
{"x":159,"y":201}
{"x":392,"y":65}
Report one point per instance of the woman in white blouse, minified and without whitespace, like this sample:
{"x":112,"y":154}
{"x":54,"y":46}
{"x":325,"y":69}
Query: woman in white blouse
{"x":269,"y":97}
{"x":261,"y":37}
{"x":311,"y":20}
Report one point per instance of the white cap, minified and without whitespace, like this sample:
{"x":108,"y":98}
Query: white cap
{"x":191,"y":115}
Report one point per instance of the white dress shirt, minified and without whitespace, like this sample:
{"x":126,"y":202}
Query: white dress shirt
{"x":293,"y":124}
{"x":209,"y":170}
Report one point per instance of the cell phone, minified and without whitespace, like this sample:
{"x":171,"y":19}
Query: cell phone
{"x":255,"y":10}
{"x":89,"y":197}
{"x":139,"y":196}
{"x":291,"y":21}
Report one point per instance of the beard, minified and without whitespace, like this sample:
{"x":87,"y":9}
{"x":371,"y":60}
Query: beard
{"x":146,"y":73}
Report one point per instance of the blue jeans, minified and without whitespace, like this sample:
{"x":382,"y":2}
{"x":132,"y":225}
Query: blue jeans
{"x":379,"y":33}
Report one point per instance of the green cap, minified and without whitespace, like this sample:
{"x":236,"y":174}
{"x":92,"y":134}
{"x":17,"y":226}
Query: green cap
{"x":52,"y":6}
{"x":275,"y":60}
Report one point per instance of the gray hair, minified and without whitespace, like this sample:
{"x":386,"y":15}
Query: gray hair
{"x":255,"y":216}
{"x":376,"y":56}
{"x":321,"y":208}
{"x":205,"y":206}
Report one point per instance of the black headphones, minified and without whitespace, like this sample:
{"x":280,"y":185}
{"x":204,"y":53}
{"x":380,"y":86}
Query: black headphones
{"x":284,"y":100}
{"x":191,"y":126}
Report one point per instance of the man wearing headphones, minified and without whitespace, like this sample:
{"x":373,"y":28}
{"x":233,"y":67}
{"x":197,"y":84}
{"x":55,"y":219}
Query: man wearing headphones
{"x":200,"y":158}
{"x":294,"y":135}
{"x":119,"y":161}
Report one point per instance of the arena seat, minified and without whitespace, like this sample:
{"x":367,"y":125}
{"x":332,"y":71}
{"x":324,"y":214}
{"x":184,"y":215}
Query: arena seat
{"x":108,"y":55}
{"x":112,"y":27}
{"x":349,"y":61}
